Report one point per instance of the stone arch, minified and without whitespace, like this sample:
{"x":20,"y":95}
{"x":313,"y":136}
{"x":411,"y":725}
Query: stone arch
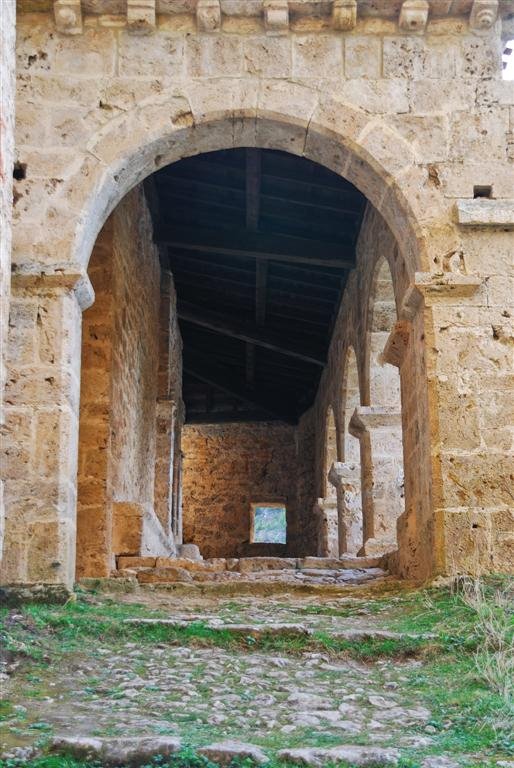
{"x":201,"y":117}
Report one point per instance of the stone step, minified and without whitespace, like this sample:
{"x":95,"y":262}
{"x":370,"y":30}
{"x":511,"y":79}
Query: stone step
{"x":249,"y":564}
{"x":278,"y":629}
{"x":172,"y":574}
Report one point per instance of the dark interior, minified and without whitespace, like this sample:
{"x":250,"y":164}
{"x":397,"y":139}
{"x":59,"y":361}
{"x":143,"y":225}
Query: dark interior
{"x":260,"y":244}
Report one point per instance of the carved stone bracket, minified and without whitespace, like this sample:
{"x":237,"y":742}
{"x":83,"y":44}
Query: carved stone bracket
{"x":208,"y":15}
{"x":344,"y":14}
{"x":140,"y":16}
{"x":276,"y":16}
{"x":413,"y":15}
{"x":68,"y":16}
{"x":483,"y":14}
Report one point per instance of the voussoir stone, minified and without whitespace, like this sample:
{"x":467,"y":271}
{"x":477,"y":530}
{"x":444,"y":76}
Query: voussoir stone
{"x":357,"y":756}
{"x":226,"y":751}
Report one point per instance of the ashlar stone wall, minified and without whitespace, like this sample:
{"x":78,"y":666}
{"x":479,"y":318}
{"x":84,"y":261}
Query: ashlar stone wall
{"x":7,"y":93}
{"x":122,"y":358}
{"x":412,"y":110}
{"x":227,"y":467}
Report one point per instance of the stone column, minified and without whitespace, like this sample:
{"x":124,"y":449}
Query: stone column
{"x":41,"y":436}
{"x":379,"y":430}
{"x":345,"y":476}
{"x":325,"y":514}
{"x":164,"y":460}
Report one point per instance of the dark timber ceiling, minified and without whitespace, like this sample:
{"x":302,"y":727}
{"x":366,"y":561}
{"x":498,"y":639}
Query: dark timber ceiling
{"x":260,"y":244}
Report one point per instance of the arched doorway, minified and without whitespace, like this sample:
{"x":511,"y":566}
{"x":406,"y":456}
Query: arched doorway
{"x":133,"y":145}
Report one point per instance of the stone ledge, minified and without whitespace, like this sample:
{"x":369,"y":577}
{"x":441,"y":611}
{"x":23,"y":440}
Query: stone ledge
{"x":483,"y":212}
{"x":12,"y":595}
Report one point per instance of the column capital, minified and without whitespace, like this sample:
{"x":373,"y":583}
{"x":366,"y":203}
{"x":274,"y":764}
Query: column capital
{"x":51,"y":278}
{"x":366,"y":418}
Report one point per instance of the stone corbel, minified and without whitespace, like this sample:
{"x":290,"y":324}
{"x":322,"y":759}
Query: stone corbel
{"x":35,"y":279}
{"x":366,"y":418}
{"x":343,"y":473}
{"x":208,"y":15}
{"x":483,"y":14}
{"x":276,"y":16}
{"x":344,"y":14}
{"x":140,"y":16}
{"x":397,"y":343}
{"x":68,"y":16}
{"x":414,"y":15}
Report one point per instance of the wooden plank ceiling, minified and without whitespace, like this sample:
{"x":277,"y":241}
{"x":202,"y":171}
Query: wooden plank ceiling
{"x":260,"y":244}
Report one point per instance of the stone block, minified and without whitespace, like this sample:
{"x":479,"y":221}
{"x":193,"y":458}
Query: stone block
{"x":317,"y":56}
{"x":253,"y":564}
{"x":163,"y":575}
{"x":127,"y":527}
{"x":226,"y":752}
{"x":136,"y":562}
{"x":485,"y":213}
{"x":68,"y":16}
{"x":362,"y":57}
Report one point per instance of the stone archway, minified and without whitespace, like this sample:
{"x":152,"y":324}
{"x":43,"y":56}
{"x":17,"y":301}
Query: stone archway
{"x":40,"y":546}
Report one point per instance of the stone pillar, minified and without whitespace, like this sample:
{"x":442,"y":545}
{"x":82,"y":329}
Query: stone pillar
{"x":379,"y":430}
{"x":41,"y":437}
{"x":164,"y":460}
{"x":345,"y":476}
{"x":325,"y":514}
{"x":469,"y":349}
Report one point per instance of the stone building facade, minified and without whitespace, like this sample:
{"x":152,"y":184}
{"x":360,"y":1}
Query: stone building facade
{"x":406,"y":101}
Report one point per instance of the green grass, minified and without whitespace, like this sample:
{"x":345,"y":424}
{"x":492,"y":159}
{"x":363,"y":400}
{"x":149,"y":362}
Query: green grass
{"x":468,"y":716}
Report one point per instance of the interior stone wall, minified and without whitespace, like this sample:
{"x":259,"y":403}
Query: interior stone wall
{"x":119,"y":388}
{"x":226,"y":468}
{"x":7,"y":94}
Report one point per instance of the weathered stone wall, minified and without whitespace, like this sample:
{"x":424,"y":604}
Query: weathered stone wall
{"x":304,"y":535}
{"x":119,"y":388}
{"x":415,"y":116}
{"x":226,"y":468}
{"x":7,"y":92}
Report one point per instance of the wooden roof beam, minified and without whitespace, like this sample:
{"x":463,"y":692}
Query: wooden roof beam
{"x":260,"y":337}
{"x":257,"y":245}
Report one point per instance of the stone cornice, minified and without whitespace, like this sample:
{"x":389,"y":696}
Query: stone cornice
{"x":142,"y":16}
{"x":36,"y":279}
